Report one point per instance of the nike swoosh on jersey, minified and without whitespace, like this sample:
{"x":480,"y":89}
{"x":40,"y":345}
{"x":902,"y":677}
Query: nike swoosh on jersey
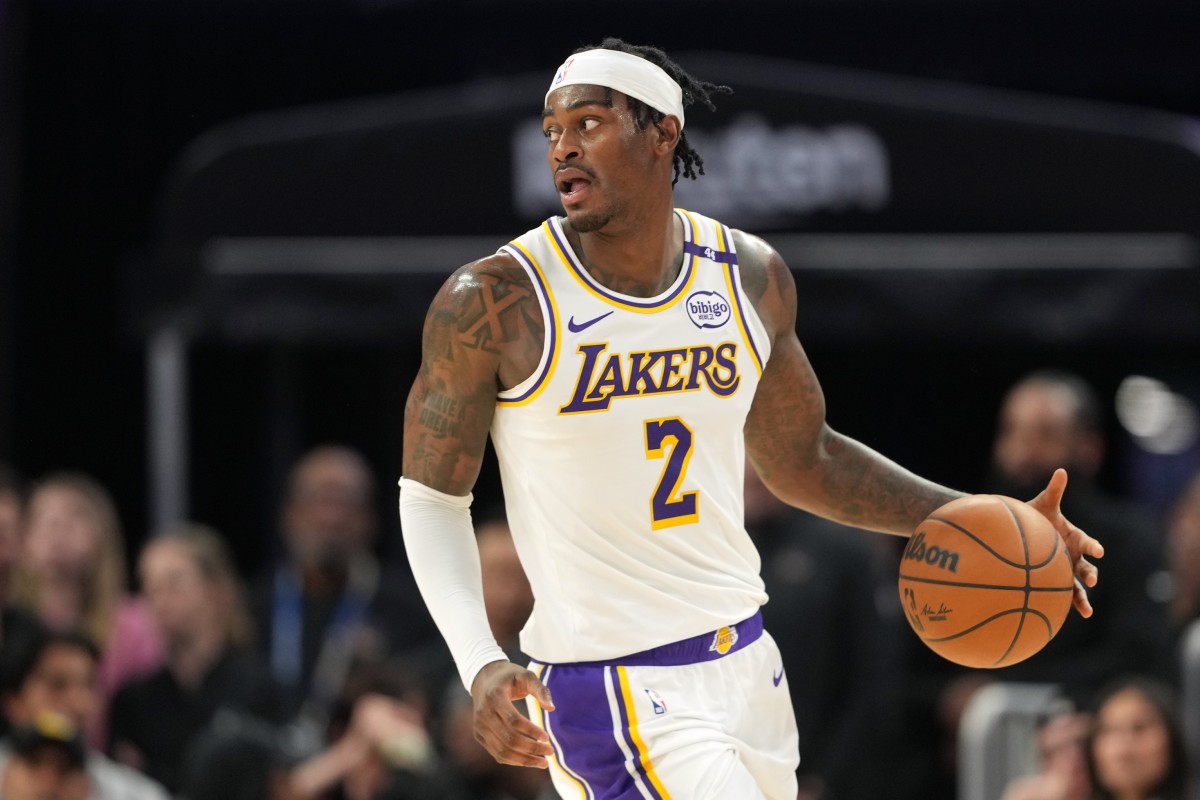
{"x":576,"y":327}
{"x":777,"y":678}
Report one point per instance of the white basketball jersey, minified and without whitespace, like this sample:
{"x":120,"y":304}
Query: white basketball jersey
{"x":622,"y":455}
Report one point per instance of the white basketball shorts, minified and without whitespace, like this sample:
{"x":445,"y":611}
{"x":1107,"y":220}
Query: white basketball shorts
{"x":707,"y":717}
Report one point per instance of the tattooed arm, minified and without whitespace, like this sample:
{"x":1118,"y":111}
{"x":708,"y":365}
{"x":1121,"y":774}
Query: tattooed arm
{"x":483,"y":333}
{"x":811,"y":466}
{"x":799,"y":457}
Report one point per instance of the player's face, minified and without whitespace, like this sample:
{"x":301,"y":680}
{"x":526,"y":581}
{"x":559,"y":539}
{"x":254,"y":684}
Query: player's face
{"x":600,"y":160}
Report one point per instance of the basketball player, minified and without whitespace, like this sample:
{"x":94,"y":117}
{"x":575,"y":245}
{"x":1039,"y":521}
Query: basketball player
{"x":623,"y":358}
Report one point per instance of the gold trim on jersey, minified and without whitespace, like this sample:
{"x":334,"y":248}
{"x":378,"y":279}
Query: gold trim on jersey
{"x":553,"y":329}
{"x":648,"y":306}
{"x":737,"y":297}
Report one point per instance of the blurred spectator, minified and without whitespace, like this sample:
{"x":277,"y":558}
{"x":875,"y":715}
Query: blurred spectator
{"x":1183,"y":555}
{"x":73,"y":576}
{"x":822,"y":581}
{"x":194,"y":594}
{"x":1062,"y":774}
{"x":379,"y":743}
{"x":330,"y":601}
{"x":238,"y":757}
{"x":11,"y":502}
{"x":1136,"y":749}
{"x":57,"y":674}
{"x":17,"y":626}
{"x":1053,"y":419}
{"x":46,"y":763}
{"x":378,"y":748}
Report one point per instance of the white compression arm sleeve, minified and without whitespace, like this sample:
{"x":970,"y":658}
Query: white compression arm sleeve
{"x":445,"y":562}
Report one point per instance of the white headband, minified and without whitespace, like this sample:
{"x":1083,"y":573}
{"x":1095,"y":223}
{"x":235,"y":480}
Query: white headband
{"x":627,"y":73}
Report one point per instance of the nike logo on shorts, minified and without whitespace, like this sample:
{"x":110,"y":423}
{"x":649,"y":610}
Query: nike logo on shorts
{"x":777,"y":678}
{"x":576,"y":327}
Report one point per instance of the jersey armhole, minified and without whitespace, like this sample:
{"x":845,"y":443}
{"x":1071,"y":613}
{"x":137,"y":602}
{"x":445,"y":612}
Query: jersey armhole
{"x":529,"y":388}
{"x":751,"y":323}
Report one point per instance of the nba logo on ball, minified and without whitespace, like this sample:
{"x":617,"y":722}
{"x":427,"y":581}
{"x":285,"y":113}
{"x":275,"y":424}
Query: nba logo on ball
{"x":986,"y":581}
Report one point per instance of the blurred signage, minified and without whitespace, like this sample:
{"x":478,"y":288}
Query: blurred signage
{"x":755,"y":171}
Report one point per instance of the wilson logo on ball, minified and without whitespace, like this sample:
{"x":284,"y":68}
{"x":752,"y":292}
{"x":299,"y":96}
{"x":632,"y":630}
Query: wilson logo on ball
{"x":934,"y":556}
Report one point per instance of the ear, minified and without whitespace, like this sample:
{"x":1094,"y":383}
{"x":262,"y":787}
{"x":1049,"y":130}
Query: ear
{"x":667,"y":134}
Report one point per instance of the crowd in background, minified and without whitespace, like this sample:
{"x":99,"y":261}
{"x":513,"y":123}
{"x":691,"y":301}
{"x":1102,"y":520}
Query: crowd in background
{"x":324,"y":677}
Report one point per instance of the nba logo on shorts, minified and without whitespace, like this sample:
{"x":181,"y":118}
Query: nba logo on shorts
{"x":660,"y":705}
{"x":724,"y":639}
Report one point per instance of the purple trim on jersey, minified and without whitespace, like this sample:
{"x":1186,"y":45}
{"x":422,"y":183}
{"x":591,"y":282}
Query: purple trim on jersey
{"x":688,"y":651}
{"x":552,"y":325}
{"x":583,"y":727}
{"x":682,"y":282}
{"x":711,"y":253}
{"x":735,"y":282}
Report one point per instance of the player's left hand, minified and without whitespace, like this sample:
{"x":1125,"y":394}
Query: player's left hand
{"x":1078,"y":543}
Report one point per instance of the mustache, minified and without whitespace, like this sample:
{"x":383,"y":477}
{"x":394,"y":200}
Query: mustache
{"x":575,"y":167}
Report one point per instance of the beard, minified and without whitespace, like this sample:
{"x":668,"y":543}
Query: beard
{"x":590,"y":221}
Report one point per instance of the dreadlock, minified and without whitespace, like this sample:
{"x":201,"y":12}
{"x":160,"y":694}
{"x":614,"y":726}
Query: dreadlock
{"x":686,"y":160}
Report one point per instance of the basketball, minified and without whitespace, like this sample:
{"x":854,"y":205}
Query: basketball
{"x":986,"y":581}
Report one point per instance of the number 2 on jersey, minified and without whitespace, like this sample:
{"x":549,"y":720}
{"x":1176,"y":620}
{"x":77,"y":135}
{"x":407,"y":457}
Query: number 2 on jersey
{"x":667,"y":506}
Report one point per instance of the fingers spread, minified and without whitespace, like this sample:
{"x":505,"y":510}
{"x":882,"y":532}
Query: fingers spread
{"x":1086,"y":572}
{"x":1080,"y":598}
{"x":1053,"y":493}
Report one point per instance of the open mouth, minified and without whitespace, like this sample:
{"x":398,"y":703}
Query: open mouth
{"x":572,"y":188}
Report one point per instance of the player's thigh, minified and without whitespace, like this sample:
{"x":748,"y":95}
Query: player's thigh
{"x":697,"y":731}
{"x":763,"y":721}
{"x":709,"y":771}
{"x":722,"y":728}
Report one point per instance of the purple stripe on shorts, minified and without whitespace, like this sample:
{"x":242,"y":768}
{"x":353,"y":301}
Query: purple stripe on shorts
{"x":705,"y":647}
{"x":582,"y":722}
{"x":583,"y":726}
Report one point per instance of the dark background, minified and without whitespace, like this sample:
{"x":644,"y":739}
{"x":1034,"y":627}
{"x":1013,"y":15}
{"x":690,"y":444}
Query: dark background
{"x":98,"y":99}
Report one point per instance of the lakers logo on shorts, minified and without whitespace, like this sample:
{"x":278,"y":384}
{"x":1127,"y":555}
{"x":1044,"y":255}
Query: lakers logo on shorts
{"x":724,"y":639}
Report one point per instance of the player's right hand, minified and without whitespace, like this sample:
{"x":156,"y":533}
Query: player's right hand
{"x":504,"y":731}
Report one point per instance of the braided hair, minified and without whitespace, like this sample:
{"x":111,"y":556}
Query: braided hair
{"x":686,"y":160}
